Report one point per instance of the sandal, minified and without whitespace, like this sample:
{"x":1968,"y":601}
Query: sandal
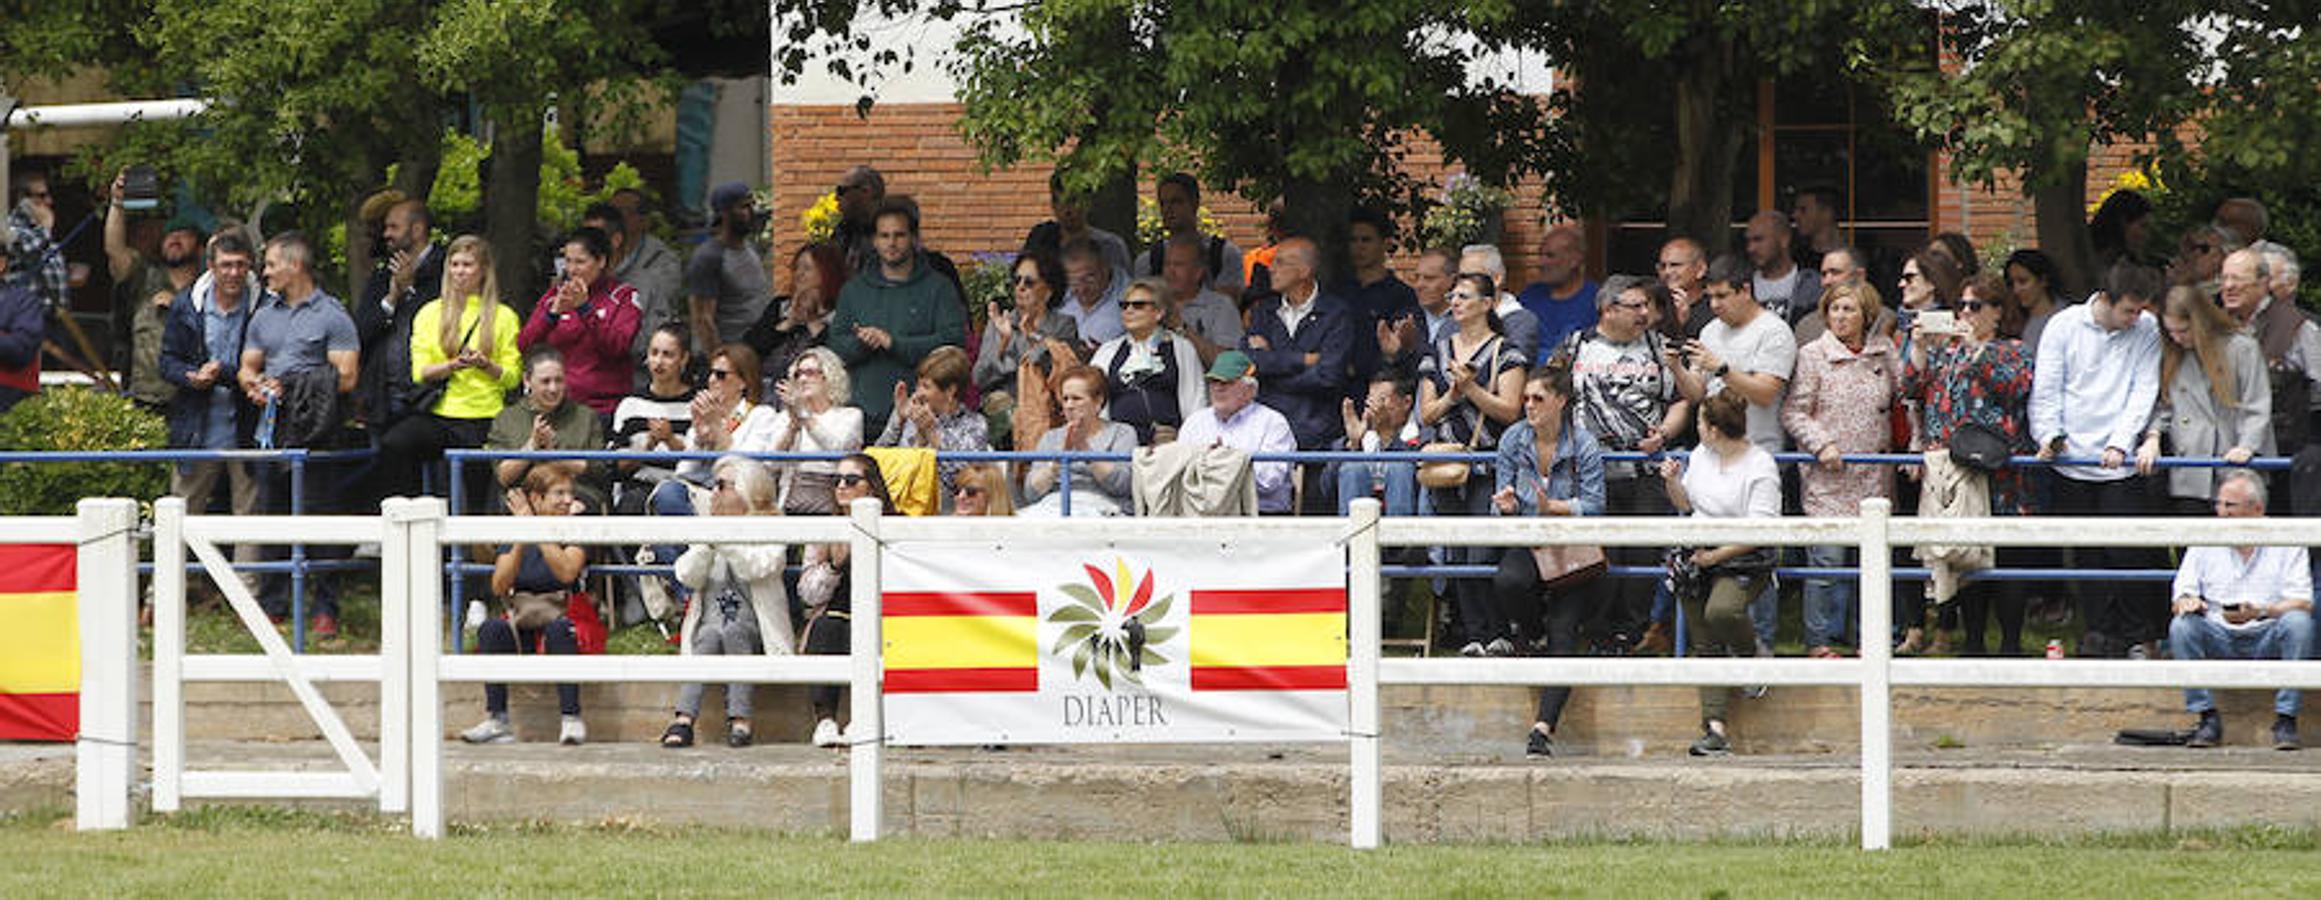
{"x":737,"y":733}
{"x":680,"y":734}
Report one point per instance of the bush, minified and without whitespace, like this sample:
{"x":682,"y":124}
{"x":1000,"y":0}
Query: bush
{"x":78,"y":419}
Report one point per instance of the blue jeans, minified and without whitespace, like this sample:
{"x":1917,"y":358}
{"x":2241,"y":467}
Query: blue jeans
{"x":2289,"y":637}
{"x":1765,"y":614}
{"x":1829,"y":602}
{"x":1355,"y":480}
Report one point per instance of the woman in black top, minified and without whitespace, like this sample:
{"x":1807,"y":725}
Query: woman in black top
{"x":826,"y":585}
{"x":1470,"y":389}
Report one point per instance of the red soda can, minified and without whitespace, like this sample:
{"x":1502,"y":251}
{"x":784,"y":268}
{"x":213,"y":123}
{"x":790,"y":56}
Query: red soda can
{"x":2054,"y":648}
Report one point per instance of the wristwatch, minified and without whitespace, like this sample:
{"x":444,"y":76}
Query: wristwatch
{"x":1723,"y":368}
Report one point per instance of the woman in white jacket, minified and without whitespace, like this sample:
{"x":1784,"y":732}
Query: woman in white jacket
{"x":739,"y":605}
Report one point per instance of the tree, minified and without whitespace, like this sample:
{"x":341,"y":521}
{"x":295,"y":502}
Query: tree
{"x":1307,"y":100}
{"x":2034,"y":84}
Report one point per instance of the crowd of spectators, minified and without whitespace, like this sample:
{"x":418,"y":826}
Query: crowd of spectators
{"x":1709,"y":367}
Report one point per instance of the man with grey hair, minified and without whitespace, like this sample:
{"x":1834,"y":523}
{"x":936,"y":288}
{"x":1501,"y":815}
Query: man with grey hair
{"x":2291,"y":343}
{"x":1208,"y":319}
{"x":1232,"y":419}
{"x":2287,"y":274}
{"x":2242,"y":602}
{"x":1300,"y":341}
{"x":1522,"y":328}
{"x":1683,"y":268}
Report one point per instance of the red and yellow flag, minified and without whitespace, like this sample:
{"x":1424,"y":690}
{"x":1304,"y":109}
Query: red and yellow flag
{"x":1269,"y":640}
{"x":40,"y":646}
{"x":962,"y":641}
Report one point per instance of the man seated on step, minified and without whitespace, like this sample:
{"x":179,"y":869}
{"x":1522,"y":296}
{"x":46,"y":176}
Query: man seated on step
{"x":2243,"y":603}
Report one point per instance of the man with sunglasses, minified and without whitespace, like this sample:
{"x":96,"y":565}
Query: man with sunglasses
{"x":39,"y":267}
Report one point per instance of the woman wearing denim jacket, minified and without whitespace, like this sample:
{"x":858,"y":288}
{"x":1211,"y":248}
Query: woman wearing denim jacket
{"x":1548,"y":466}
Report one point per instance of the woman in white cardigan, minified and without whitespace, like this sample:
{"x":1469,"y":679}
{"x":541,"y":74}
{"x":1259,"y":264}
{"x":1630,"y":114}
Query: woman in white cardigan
{"x":739,"y":605}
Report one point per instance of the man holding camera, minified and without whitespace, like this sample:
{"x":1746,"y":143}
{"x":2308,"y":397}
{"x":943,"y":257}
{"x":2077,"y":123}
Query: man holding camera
{"x":33,"y":219}
{"x":2242,"y":603}
{"x":151,"y":285}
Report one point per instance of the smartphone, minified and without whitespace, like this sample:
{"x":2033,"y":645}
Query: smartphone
{"x":1939,"y":321}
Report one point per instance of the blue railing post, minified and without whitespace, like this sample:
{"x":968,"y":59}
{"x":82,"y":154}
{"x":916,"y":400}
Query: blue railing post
{"x":456,"y":597}
{"x":297,"y":553}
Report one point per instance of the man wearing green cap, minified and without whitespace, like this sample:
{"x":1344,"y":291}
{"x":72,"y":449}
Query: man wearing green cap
{"x":1234,"y":419}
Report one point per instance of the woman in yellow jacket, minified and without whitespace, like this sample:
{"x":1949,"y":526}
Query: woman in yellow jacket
{"x":463,"y":354}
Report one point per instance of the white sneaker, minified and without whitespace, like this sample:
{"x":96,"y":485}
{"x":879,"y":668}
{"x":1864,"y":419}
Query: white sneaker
{"x":826,"y":734}
{"x":475,"y":616}
{"x":573,"y":733}
{"x":1473,"y":648}
{"x":492,"y":730}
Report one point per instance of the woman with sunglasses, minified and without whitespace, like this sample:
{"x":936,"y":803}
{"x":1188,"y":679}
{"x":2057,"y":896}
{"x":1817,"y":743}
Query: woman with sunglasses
{"x":826,"y":590}
{"x":1846,"y":381}
{"x":1470,"y":390}
{"x":812,"y":418}
{"x":1099,"y":488}
{"x":2216,"y":398}
{"x":1978,"y":378}
{"x":1152,"y":374}
{"x":1029,"y":329}
{"x":743,"y":607}
{"x":980,"y":489}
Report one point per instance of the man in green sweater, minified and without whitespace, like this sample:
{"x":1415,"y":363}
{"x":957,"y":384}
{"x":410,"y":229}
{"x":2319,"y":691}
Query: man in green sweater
{"x":893,"y":314}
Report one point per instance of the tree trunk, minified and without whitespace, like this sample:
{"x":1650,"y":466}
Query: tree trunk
{"x":2059,"y":198}
{"x":1700,"y":189}
{"x":511,"y":206}
{"x":1317,"y":211}
{"x":1113,"y":205}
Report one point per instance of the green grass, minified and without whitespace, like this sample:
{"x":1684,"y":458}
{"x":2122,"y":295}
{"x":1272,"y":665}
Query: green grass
{"x":240,"y":851}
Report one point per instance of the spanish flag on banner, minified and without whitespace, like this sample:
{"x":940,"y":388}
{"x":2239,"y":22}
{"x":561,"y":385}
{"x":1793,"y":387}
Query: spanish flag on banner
{"x":40,"y":646}
{"x":1269,"y":640}
{"x":961,"y":641}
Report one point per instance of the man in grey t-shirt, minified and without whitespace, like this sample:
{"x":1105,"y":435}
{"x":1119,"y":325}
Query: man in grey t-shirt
{"x":725,"y":281}
{"x":1746,"y":349}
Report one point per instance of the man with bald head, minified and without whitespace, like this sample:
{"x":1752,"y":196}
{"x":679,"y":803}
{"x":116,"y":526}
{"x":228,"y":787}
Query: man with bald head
{"x":1564,"y":298}
{"x":2291,"y":343}
{"x":1783,"y":287}
{"x":1683,"y":268}
{"x":1300,"y":340}
{"x":859,"y":192}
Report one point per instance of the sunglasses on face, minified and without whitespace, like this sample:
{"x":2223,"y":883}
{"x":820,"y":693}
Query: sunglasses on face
{"x":722,"y":485}
{"x":1971,"y":306}
{"x":806,"y":372}
{"x":1908,"y":277}
{"x":1137,"y":304}
{"x":968,"y":490}
{"x":720,"y":374}
{"x":1027,"y":281}
{"x":850,"y":479}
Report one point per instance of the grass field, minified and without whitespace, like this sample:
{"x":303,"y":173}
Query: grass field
{"x":260,"y":852}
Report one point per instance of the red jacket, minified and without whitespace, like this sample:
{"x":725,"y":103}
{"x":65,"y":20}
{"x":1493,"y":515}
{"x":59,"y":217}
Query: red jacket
{"x":594,"y":340}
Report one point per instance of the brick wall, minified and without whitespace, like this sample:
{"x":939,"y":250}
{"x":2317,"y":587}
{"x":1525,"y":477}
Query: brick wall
{"x":966,"y":210}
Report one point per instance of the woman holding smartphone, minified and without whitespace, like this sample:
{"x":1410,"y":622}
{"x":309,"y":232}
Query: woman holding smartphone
{"x":591,"y":318}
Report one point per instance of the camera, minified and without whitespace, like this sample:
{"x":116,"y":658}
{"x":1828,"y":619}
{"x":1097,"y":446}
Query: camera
{"x":141,"y":189}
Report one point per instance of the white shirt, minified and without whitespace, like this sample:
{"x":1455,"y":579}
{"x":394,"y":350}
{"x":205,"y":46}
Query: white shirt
{"x":1765,"y":346}
{"x":2220,"y":576}
{"x":1257,"y":428}
{"x":1744,"y":488}
{"x":2094,"y":388}
{"x":1293,"y":312}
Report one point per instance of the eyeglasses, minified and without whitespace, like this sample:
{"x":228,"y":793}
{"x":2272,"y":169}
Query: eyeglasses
{"x":720,"y":374}
{"x":1908,"y":277}
{"x":1971,"y":306}
{"x":967,"y":490}
{"x":1027,"y":281}
{"x":1632,"y":307}
{"x":806,"y":372}
{"x":843,"y":188}
{"x":850,"y":479}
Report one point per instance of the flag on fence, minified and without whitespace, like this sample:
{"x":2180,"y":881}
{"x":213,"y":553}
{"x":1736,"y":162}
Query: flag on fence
{"x":1269,"y":640}
{"x":40,"y":647}
{"x":962,"y":641}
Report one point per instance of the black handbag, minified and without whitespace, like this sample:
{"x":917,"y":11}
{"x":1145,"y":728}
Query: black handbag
{"x":422,"y":398}
{"x":1980,"y":447}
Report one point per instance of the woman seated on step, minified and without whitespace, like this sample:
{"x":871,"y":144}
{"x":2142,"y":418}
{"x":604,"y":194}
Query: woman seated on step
{"x":739,"y":605}
{"x":534,"y":580}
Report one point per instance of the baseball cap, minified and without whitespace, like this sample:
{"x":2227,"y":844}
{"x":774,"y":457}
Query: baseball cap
{"x":1232,"y":365}
{"x":726,"y":195}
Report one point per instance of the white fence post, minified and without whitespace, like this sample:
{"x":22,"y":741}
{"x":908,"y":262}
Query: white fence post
{"x":168,"y":654}
{"x":423,"y":643}
{"x":867,"y":730}
{"x":105,"y":755}
{"x":1363,"y":604}
{"x":1877,"y":695}
{"x":394,"y":655}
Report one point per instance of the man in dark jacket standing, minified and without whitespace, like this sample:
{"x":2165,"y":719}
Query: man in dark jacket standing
{"x":411,"y":277}
{"x":893,"y":314}
{"x":201,"y":349}
{"x":1300,"y":341}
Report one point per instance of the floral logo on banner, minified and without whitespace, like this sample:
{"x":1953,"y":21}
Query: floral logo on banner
{"x":1111,"y":625}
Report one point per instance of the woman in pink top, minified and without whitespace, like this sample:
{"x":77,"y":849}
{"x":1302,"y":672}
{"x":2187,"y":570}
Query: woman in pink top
{"x":1845,"y":384}
{"x":590,"y":318}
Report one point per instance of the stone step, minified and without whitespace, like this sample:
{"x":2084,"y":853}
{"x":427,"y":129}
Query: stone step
{"x":1247,"y":793}
{"x":1607,"y":721}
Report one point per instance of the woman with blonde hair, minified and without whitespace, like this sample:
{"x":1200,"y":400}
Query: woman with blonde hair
{"x":1846,"y":381}
{"x":463,"y":358}
{"x":981,"y":489}
{"x":740,"y":606}
{"x":2216,"y":397}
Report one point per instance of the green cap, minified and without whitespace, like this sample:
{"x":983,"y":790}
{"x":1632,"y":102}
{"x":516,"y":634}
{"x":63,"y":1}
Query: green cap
{"x":1232,"y":365}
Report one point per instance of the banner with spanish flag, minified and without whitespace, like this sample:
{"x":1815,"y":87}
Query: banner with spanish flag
{"x":40,"y":646}
{"x":1083,"y":642}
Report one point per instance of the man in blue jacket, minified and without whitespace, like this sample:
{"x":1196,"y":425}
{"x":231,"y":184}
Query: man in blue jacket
{"x":1301,"y":342}
{"x":23,"y":325}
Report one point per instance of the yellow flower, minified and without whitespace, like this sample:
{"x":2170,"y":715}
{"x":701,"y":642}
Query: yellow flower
{"x":820,"y":221}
